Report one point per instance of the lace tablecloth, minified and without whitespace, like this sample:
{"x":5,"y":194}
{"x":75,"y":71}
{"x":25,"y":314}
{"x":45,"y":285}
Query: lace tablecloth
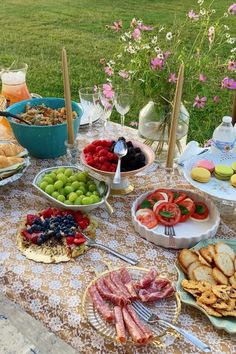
{"x":52,"y":293}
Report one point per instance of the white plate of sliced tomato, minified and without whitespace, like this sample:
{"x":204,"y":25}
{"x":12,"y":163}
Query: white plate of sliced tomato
{"x":191,"y":217}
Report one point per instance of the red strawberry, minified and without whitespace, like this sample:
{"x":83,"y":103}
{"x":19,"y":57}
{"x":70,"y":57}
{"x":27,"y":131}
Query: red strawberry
{"x":30,"y":218}
{"x":31,"y":237}
{"x":97,"y":142}
{"x":102,"y":159}
{"x":69,"y":240}
{"x":83,"y":223}
{"x":98,"y":148}
{"x":79,"y":235}
{"x":47,"y":213}
{"x":79,"y":241}
{"x":103,"y":152}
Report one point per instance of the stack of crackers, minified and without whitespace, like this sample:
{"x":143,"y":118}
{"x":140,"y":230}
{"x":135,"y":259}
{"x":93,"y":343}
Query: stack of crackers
{"x":211,"y":273}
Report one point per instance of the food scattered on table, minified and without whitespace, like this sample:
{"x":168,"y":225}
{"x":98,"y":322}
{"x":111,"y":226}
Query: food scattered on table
{"x":112,"y":296}
{"x":200,"y":174}
{"x":100,"y":155}
{"x":211,"y":273}
{"x":53,"y":236}
{"x":69,"y":187}
{"x":166,"y":207}
{"x":42,"y":115}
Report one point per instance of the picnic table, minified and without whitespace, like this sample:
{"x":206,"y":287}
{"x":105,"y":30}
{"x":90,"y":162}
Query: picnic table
{"x":52,"y":293}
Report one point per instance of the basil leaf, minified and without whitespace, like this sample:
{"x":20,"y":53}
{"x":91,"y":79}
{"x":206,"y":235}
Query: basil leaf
{"x":146,"y":204}
{"x":176,"y":195}
{"x":166,"y":214}
{"x":199,"y":209}
{"x":183,"y":209}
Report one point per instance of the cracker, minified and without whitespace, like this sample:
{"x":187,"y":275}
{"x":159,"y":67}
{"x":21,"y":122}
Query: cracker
{"x":191,"y":268}
{"x":232,"y":281}
{"x":210,"y":310}
{"x":201,"y":259}
{"x":222,"y":247}
{"x":220,"y":305}
{"x":204,"y":273}
{"x":228,"y":313}
{"x":208,"y":297}
{"x":219,"y":277}
{"x":221,"y":291}
{"x":232,"y":293}
{"x":224,"y":263}
{"x":206,"y":254}
{"x":211,"y":250}
{"x":186,"y":257}
{"x":190,"y":284}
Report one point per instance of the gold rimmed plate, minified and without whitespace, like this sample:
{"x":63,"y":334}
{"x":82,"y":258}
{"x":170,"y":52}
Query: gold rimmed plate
{"x":167,"y":309}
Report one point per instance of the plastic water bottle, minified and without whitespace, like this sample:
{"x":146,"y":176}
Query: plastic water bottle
{"x":224,"y":136}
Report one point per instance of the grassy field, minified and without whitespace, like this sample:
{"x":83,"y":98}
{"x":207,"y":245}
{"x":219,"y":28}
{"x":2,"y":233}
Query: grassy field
{"x":35,"y":31}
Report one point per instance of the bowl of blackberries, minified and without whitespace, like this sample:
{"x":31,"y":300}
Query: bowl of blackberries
{"x":100,"y":157}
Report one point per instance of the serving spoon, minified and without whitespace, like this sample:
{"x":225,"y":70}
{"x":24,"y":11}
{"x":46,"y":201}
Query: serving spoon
{"x":120,"y":150}
{"x":102,"y":190}
{"x":9,"y":114}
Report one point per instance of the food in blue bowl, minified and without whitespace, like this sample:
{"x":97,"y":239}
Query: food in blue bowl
{"x":45,"y":137}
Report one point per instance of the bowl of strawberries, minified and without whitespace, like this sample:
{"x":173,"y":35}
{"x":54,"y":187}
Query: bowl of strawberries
{"x":99,"y":157}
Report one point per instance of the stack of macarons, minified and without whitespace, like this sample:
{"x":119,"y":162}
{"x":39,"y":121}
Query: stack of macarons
{"x":203,"y":170}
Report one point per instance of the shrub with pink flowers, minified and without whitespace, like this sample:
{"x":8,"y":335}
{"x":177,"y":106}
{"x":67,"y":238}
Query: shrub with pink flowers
{"x":148,"y":58}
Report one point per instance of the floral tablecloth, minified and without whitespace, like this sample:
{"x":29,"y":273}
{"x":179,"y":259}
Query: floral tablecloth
{"x":52,"y":293}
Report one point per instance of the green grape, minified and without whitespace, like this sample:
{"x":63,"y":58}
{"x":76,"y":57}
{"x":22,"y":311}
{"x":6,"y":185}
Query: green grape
{"x":83,"y":189}
{"x":60,"y":170}
{"x":78,"y":201}
{"x":72,"y":179}
{"x":58,"y":184}
{"x":81,"y":177}
{"x":49,"y":189}
{"x":92,"y":187}
{"x":61,"y":198}
{"x":95,"y":198}
{"x":82,"y":184}
{"x":43,"y":185}
{"x":96,"y":193}
{"x":72,"y":197}
{"x":87,"y":201}
{"x":68,"y":172}
{"x":62,"y":178}
{"x":55,"y":194}
{"x":68,"y":190}
{"x":68,"y":202}
{"x":48,"y":179}
{"x":53,"y":176}
{"x":75,"y":185}
{"x":79,"y":192}
{"x":62,"y":191}
{"x":89,"y":182}
{"x":88,"y":194}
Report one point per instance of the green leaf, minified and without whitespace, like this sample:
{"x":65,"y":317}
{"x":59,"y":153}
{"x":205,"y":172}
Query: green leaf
{"x":183,"y":209}
{"x":199,"y":209}
{"x":146,"y":204}
{"x":176,"y":195}
{"x":167,"y":214}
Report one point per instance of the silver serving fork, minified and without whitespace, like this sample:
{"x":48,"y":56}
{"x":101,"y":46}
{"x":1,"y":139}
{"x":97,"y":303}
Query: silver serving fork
{"x":170,"y":231}
{"x":152,"y":318}
{"x":92,"y":243}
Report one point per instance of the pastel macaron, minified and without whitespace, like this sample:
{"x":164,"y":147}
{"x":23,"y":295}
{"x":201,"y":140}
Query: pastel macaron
{"x":207,"y":164}
{"x":200,"y":174}
{"x":233,"y":166}
{"x":233,"y":180}
{"x":223,"y":172}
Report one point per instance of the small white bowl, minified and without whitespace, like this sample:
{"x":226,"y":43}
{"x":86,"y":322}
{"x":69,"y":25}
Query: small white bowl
{"x":187,"y":233}
{"x":85,"y":208}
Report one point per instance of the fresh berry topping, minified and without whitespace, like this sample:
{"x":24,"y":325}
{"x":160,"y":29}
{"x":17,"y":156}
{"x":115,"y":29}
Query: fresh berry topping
{"x":69,"y":241}
{"x":31,"y":218}
{"x":79,"y":241}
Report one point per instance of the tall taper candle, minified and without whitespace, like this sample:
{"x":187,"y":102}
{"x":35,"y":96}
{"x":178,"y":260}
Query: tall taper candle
{"x":234,"y":110}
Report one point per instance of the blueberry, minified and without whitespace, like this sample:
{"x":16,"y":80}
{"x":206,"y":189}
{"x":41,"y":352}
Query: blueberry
{"x":70,"y":217}
{"x":30,"y":230}
{"x":70,"y":234}
{"x":58,"y":235}
{"x":40,"y":241}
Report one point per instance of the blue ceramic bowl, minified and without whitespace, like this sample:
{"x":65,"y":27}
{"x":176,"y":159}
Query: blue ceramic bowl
{"x":44,"y":142}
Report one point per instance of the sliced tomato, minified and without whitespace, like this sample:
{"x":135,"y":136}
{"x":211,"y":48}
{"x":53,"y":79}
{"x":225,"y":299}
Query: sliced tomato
{"x":147,"y":218}
{"x":169,"y":193}
{"x":168,"y":213}
{"x":157,"y":204}
{"x":187,"y":207}
{"x":179,"y":196}
{"x":146,"y":204}
{"x":201,"y":211}
{"x":155,"y":197}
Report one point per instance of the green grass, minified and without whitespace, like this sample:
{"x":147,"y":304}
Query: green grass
{"x":35,"y":31}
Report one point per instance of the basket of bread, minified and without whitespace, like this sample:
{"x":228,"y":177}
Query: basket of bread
{"x":207,"y":280}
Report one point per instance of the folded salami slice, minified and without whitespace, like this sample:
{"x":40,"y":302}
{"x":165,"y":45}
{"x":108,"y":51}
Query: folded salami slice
{"x":108,"y":295}
{"x":116,"y":279}
{"x":145,"y":296}
{"x":147,"y":332}
{"x":100,"y":304}
{"x":147,"y":279}
{"x":128,"y":282}
{"x":135,"y":333}
{"x":158,"y":285}
{"x":120,"y":326}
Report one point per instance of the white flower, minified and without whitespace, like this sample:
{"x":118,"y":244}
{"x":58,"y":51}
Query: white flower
{"x":211,"y":30}
{"x":169,"y":36}
{"x":111,"y":62}
{"x":154,"y":40}
{"x":161,"y":28}
{"x":202,"y":12}
{"x":141,"y":81}
{"x":146,"y":46}
{"x":213,"y":11}
{"x":200,"y":2}
{"x":227,"y":35}
{"x":226,"y":27}
{"x":119,"y":56}
{"x":128,"y":34}
{"x":123,"y":38}
{"x":231,"y":40}
{"x":225,"y":14}
{"x":233,"y":50}
{"x":158,"y":50}
{"x":160,"y":56}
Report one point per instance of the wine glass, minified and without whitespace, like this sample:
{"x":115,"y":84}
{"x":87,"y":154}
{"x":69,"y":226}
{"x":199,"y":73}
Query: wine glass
{"x":104,"y":104}
{"x":88,"y":98}
{"x":123,"y":100}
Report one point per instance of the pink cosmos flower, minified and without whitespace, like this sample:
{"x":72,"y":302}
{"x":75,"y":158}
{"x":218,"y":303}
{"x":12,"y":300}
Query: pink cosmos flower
{"x":228,"y":83}
{"x":116,"y":26}
{"x":124,"y":74}
{"x":133,"y":22}
{"x":211,"y":34}
{"x":216,"y":99}
{"x":202,"y":78}
{"x":102,"y":61}
{"x":193,"y":16}
{"x":145,"y":28}
{"x":157,"y":64}
{"x":232,"y":9}
{"x":199,"y":102}
{"x":231,"y":65}
{"x":136,"y":33}
{"x":108,"y":70}
{"x":166,"y":54}
{"x":108,"y":90}
{"x":172,"y":78}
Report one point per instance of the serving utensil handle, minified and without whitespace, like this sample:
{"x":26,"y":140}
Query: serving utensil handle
{"x":115,"y":253}
{"x":116,"y":179}
{"x":191,"y":338}
{"x":109,"y":208}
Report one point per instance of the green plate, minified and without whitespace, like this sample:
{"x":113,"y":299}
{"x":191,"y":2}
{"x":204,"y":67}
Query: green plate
{"x":226,"y":323}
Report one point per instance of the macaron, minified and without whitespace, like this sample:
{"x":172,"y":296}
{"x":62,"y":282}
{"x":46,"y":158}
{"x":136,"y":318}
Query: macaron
{"x":223,"y":172}
{"x":207,"y":164}
{"x":233,"y":166}
{"x":200,"y":174}
{"x":233,"y":180}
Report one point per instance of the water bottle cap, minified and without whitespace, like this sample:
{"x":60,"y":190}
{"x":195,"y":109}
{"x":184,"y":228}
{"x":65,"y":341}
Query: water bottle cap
{"x":227,"y":119}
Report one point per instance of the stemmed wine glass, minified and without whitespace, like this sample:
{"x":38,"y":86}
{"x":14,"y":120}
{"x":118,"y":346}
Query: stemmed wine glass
{"x":104,"y":104}
{"x":123,"y":100}
{"x":88,"y":98}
